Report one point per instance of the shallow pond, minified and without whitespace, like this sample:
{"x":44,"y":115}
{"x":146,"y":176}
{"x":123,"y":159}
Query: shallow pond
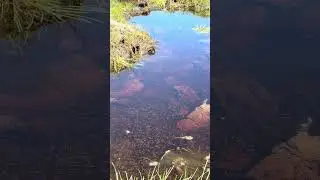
{"x":149,"y":99}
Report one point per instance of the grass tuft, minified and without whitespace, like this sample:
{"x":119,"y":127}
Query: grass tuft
{"x":120,"y":11}
{"x":128,"y":44}
{"x":165,"y":174}
{"x":19,"y":18}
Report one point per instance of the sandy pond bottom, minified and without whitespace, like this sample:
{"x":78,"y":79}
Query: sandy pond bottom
{"x":148,"y":101}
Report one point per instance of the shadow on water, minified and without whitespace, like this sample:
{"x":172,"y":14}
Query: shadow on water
{"x":159,"y":91}
{"x":53,"y":103}
{"x":265,"y":80}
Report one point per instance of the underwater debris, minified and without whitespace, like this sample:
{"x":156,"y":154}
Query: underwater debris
{"x":185,"y":137}
{"x":184,"y":161}
{"x":207,"y":158}
{"x":198,"y":118}
{"x":153,"y":163}
{"x":127,"y":131}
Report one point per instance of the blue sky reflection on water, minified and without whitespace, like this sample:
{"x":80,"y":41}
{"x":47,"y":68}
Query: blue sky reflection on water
{"x":177,"y":41}
{"x":182,"y":59}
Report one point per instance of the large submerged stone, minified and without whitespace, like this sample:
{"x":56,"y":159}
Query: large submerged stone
{"x":198,"y":118}
{"x":130,"y":88}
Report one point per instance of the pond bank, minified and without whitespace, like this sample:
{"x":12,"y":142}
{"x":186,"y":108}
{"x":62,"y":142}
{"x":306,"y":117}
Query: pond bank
{"x":128,"y":43}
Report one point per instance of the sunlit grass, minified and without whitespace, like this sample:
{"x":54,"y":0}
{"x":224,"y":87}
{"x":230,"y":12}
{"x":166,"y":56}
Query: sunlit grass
{"x":157,"y":173}
{"x":125,"y":38}
{"x":120,"y":11}
{"x":128,"y":44}
{"x":158,"y":4}
{"x":198,"y":7}
{"x":19,"y":18}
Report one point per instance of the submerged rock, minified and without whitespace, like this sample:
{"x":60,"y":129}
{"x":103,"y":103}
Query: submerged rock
{"x":298,"y":158}
{"x":130,"y":88}
{"x":198,"y":118}
{"x":186,"y":93}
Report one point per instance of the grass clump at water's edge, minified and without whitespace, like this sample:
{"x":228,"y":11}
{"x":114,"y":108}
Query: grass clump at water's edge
{"x":197,"y":7}
{"x":128,"y":43}
{"x":19,"y":18}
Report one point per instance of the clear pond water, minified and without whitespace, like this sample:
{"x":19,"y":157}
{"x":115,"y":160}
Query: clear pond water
{"x":151,"y":113}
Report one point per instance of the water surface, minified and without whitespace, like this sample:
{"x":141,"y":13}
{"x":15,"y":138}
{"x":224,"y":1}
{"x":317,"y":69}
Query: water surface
{"x":182,"y":58}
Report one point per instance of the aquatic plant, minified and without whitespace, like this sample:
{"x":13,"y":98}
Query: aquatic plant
{"x":19,"y":18}
{"x":201,"y":29}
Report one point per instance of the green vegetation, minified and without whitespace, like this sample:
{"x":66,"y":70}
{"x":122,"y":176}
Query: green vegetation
{"x":202,"y":29}
{"x":19,"y":18}
{"x":198,"y":7}
{"x":158,"y":4}
{"x":120,"y":11}
{"x":165,"y":174}
{"x":129,"y":43}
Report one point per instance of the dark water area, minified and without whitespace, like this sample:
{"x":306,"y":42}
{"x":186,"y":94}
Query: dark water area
{"x":265,"y":78}
{"x":54,"y":103}
{"x":151,"y":98}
